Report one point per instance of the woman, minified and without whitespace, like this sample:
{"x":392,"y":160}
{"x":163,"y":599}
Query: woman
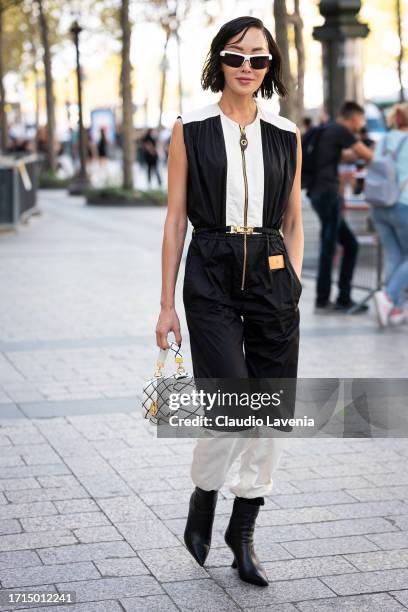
{"x":234,"y":171}
{"x":391,"y":224}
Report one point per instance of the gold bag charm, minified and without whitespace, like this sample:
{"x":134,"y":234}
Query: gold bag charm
{"x":276,"y":262}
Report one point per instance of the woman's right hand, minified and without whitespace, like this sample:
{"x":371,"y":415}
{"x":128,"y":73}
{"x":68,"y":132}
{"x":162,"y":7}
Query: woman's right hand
{"x":168,"y":321}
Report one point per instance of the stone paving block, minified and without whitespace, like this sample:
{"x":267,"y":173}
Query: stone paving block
{"x":381,"y":602}
{"x":368,"y":582}
{"x":9,"y":526}
{"x":64,"y":521}
{"x":105,"y":486}
{"x":17,"y":484}
{"x":159,"y":498}
{"x":390,"y":559}
{"x":330,"y":546}
{"x":401,"y":596}
{"x":44,"y":539}
{"x":367,"y":470}
{"x":366,"y":509}
{"x":19,"y":558}
{"x":88,"y":465}
{"x":388,"y":479}
{"x":331,"y":484}
{"x":281,"y":591}
{"x":105,"y":533}
{"x":400,"y":521}
{"x":307,"y":568}
{"x":24,"y":510}
{"x":149,"y":533}
{"x":71,"y":506}
{"x":125,"y":509}
{"x":85,"y":552}
{"x":365,"y":456}
{"x":302,"y":500}
{"x":31,"y":576}
{"x":172,"y":564}
{"x":286,"y":607}
{"x":130,"y":566}
{"x":151,"y":603}
{"x":72,"y":494}
{"x":33,"y":470}
{"x":97,"y":606}
{"x":11,"y":461}
{"x":296,"y":516}
{"x":204,"y":595}
{"x":373,"y":493}
{"x":390,"y":541}
{"x":345,"y":527}
{"x":64,"y":480}
{"x":112,"y":588}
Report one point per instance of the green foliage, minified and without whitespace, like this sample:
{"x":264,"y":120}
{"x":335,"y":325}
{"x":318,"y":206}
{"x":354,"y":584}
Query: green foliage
{"x":111,"y":196}
{"x":49,"y":180}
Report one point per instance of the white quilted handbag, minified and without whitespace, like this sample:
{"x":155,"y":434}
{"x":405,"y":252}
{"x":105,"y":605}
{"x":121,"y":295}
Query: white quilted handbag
{"x":156,"y":391}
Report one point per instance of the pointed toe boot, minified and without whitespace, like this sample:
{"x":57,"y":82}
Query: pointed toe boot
{"x":239,"y":536}
{"x":198,"y":531}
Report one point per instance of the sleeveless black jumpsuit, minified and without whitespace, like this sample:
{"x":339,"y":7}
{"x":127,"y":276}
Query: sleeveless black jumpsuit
{"x":242,"y":315}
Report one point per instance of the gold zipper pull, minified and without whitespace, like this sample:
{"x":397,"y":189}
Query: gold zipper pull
{"x":243,"y":139}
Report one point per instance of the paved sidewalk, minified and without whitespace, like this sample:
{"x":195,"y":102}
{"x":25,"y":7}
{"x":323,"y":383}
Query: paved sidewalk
{"x":92,"y":502}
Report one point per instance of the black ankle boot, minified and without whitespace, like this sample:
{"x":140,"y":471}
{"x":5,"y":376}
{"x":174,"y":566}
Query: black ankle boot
{"x":197,"y":534}
{"x":239,"y":537}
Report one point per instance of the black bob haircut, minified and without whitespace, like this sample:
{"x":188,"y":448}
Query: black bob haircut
{"x":213,"y":77}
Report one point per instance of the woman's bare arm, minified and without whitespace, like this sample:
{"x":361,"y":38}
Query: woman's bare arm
{"x":174,"y":234}
{"x":292,"y":225}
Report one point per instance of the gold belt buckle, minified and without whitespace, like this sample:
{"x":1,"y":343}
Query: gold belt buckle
{"x":242,"y":229}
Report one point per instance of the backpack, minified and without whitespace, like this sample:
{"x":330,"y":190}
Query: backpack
{"x":310,"y":142}
{"x":381,"y":185}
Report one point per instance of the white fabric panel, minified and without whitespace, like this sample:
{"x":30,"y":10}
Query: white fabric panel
{"x":235,"y":193}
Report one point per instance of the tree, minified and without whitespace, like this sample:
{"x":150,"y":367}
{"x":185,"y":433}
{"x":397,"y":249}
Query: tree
{"x":49,"y":94}
{"x":3,"y":119}
{"x":400,"y":58}
{"x":11,"y":49}
{"x":287,"y":105}
{"x":126,"y":90}
{"x":297,"y":22}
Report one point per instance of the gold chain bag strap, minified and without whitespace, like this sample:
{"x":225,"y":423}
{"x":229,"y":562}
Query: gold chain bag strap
{"x":156,"y":391}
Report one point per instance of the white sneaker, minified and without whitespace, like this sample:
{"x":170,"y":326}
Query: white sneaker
{"x":397,"y":316}
{"x":383,"y":306}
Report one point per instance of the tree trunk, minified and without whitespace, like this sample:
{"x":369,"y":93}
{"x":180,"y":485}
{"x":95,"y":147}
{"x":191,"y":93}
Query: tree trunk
{"x":287,"y":106}
{"x":180,"y":74}
{"x":51,"y":156}
{"x":300,"y":52}
{"x":126,"y":90}
{"x":3,"y":118}
{"x":400,"y":59}
{"x":163,"y":77}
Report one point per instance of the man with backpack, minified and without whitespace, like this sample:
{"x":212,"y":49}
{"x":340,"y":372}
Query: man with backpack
{"x":323,"y":148}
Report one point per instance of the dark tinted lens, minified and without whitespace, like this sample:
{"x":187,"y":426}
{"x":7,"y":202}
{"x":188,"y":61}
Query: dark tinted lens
{"x":232,"y":60}
{"x":260,"y":62}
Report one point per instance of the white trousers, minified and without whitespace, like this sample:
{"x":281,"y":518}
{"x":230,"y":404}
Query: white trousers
{"x":213,"y":457}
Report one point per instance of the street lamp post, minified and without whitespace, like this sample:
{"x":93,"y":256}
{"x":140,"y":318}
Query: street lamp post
{"x":341,"y":37}
{"x":81,"y":180}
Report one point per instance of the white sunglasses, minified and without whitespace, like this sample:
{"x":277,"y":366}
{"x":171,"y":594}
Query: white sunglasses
{"x":236,"y":60}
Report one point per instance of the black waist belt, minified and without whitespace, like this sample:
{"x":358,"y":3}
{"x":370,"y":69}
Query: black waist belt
{"x":239,"y":229}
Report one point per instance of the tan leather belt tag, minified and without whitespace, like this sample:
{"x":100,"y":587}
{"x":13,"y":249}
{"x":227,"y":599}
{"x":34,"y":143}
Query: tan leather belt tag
{"x":276,"y":262}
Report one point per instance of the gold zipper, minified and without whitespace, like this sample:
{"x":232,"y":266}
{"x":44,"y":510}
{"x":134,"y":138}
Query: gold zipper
{"x":243,"y":142}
